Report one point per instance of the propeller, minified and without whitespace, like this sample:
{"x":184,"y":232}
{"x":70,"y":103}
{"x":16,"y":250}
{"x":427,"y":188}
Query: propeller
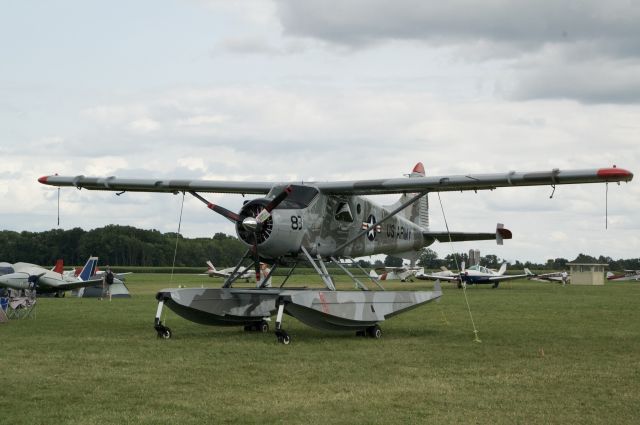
{"x":33,"y":280}
{"x":253,"y":222}
{"x":463,"y":273}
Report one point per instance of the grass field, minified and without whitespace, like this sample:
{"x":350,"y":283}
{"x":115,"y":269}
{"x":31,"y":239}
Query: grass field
{"x":549,"y":354}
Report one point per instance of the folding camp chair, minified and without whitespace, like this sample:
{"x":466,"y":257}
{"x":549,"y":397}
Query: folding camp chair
{"x":4,"y":305}
{"x":22,"y":306}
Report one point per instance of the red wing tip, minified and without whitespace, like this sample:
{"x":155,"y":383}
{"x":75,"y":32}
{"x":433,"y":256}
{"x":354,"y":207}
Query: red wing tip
{"x":419,"y":168}
{"x":615,"y":174}
{"x":43,"y":179}
{"x":505,"y":233}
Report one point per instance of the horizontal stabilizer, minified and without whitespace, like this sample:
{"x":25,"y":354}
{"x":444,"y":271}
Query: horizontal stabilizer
{"x":500,"y":234}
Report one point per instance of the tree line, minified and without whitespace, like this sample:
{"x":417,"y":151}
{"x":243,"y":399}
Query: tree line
{"x":118,"y":245}
{"x":129,"y":246}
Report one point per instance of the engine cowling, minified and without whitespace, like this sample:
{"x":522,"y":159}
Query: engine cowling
{"x":262,"y":231}
{"x":274,"y":237}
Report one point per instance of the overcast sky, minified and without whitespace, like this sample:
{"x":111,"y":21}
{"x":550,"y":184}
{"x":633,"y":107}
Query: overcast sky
{"x":325,"y":90}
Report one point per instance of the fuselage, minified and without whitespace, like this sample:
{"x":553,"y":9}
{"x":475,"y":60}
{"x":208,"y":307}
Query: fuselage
{"x":322,"y":223}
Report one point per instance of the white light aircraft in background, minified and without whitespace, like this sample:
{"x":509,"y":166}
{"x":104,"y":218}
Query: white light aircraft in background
{"x":402,"y":273}
{"x":226,"y":273}
{"x":31,"y":276}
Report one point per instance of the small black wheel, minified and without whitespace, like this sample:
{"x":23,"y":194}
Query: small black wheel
{"x":283,"y":337}
{"x":164,"y":333}
{"x":263,"y":327}
{"x":375,"y":332}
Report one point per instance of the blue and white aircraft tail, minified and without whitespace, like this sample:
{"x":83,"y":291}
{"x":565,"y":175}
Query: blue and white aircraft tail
{"x":89,"y":269}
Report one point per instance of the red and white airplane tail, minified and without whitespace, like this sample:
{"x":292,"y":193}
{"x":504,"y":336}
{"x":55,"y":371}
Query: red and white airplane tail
{"x":59,"y":267}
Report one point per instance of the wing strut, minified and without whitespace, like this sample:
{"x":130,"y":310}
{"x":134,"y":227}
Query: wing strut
{"x":393,"y":213}
{"x":359,"y":284}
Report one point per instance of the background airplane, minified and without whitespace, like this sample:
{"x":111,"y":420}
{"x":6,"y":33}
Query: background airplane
{"x":402,"y":274}
{"x":31,"y":276}
{"x":627,"y":275}
{"x":548,"y":277}
{"x":479,"y":274}
{"x":444,"y":274}
{"x":476,"y":274}
{"x":226,"y":273}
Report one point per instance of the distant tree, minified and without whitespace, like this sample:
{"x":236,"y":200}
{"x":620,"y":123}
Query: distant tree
{"x":584,"y":258}
{"x":491,"y":261}
{"x":429,"y":259}
{"x":454,"y":261}
{"x":392,"y":261}
{"x":364,"y":264}
{"x":557,"y":264}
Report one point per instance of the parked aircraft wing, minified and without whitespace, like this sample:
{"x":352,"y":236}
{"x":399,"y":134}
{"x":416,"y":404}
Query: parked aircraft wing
{"x":500,"y":278}
{"x":67,"y":286}
{"x":355,"y":187}
{"x":426,"y":276}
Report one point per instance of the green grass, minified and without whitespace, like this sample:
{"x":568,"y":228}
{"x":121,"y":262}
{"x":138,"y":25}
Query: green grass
{"x":84,"y":361}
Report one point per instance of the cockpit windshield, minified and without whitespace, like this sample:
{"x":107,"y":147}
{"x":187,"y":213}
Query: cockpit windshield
{"x":479,"y":268}
{"x":299,"y":198}
{"x":5,"y":268}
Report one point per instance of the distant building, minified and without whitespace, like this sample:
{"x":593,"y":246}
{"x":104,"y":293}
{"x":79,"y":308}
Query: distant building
{"x":587,"y":274}
{"x":474,"y":257}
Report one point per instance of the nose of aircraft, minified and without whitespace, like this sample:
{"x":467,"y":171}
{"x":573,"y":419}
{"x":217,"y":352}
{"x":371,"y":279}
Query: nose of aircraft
{"x":250,"y":223}
{"x":14,"y":280}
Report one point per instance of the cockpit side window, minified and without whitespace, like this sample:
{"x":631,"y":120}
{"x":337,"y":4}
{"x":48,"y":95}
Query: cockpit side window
{"x":343,"y":212}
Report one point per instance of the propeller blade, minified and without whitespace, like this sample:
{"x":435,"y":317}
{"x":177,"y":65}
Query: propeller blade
{"x":266,"y":212}
{"x":256,"y":257}
{"x":230,"y":215}
{"x":33,"y":280}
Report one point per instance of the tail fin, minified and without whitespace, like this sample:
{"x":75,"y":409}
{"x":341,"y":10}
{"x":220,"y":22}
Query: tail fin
{"x":89,"y":269}
{"x":503,"y":268}
{"x":418,"y":212}
{"x":528,"y":272}
{"x":211,"y":266}
{"x":59,"y":267}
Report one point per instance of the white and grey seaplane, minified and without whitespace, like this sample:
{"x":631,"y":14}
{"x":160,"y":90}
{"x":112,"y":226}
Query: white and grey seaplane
{"x":321,"y":222}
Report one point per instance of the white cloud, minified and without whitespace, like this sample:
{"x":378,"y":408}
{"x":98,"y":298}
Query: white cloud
{"x":469,"y":92}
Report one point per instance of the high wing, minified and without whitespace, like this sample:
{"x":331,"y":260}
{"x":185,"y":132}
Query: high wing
{"x":157,"y":185}
{"x":353,"y":187}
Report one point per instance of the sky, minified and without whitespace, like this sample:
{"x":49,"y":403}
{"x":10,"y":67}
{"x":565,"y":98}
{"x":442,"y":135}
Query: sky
{"x":325,"y":90}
